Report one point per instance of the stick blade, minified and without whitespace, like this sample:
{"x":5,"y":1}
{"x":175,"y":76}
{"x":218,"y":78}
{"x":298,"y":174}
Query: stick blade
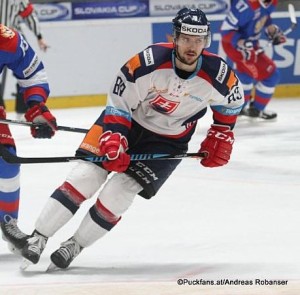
{"x":292,"y":13}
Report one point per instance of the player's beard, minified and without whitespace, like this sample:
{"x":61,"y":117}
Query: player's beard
{"x":185,"y":61}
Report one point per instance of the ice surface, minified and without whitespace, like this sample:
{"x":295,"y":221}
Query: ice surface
{"x":240,"y":221}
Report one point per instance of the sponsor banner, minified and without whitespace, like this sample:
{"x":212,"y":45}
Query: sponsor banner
{"x":53,"y":11}
{"x":110,"y":9}
{"x":286,"y":56}
{"x":171,"y":7}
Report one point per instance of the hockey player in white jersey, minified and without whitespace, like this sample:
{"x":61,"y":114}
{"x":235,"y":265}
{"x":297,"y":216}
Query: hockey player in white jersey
{"x":153,"y":106}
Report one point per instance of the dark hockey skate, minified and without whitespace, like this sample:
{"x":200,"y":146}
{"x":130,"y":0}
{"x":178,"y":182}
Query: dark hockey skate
{"x":63,"y":256}
{"x":253,"y":112}
{"x":12,"y":234}
{"x":34,"y":247}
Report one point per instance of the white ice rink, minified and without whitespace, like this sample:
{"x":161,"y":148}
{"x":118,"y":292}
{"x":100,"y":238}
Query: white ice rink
{"x":238,"y":222}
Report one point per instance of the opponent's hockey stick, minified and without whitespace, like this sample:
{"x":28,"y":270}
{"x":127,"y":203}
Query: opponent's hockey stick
{"x":30,"y":124}
{"x":293,"y":25}
{"x":13,"y":159}
{"x":293,"y":18}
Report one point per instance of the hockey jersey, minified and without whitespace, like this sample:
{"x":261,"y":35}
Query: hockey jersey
{"x":246,"y":20}
{"x":148,"y":91}
{"x":18,"y":56}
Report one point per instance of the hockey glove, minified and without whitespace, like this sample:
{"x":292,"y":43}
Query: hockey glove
{"x":275,"y":35}
{"x":5,"y":134}
{"x":114,"y":147}
{"x":39,"y":113}
{"x":247,"y":50}
{"x":217,"y":145}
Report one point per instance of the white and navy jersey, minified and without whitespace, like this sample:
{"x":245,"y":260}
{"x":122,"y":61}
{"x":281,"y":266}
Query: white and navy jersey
{"x":18,"y":56}
{"x":12,"y":12}
{"x":148,"y":91}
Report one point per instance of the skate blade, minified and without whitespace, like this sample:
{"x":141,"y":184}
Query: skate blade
{"x":25,"y":264}
{"x":52,"y":267}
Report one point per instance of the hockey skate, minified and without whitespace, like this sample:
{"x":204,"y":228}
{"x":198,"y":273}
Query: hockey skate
{"x":63,"y":256}
{"x":33,"y":249}
{"x":253,"y":112}
{"x":13,"y":235}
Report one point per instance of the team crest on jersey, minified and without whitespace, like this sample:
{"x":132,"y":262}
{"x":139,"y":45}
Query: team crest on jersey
{"x":163,"y":105}
{"x":6,"y":32}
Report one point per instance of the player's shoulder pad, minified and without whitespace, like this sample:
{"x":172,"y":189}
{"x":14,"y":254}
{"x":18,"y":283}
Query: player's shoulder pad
{"x":8,"y":39}
{"x":153,"y":57}
{"x":218,"y":73}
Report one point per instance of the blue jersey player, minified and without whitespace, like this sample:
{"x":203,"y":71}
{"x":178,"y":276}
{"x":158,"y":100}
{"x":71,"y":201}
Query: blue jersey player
{"x":17,"y":55}
{"x":241,"y":30}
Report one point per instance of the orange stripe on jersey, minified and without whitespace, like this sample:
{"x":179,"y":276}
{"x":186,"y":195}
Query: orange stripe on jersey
{"x":232,"y":81}
{"x":117,"y":120}
{"x":28,"y":10}
{"x":90,"y":142}
{"x":133,"y":64}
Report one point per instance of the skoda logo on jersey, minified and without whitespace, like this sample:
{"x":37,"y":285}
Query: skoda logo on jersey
{"x":194,"y":30}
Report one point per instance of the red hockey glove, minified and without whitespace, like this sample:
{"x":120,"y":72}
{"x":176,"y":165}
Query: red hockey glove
{"x":114,"y":146}
{"x":5,"y":135}
{"x":218,"y":146}
{"x":39,"y":113}
{"x":247,"y":50}
{"x":275,"y":34}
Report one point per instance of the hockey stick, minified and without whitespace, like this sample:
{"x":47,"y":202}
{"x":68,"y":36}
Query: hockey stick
{"x":12,"y":159}
{"x":30,"y":124}
{"x":293,"y":19}
{"x":293,"y":25}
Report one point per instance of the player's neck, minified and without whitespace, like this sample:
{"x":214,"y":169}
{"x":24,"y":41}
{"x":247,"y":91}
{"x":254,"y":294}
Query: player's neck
{"x":182,"y":66}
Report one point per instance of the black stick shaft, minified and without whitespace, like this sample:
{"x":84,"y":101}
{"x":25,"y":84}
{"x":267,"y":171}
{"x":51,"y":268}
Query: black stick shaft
{"x":13,"y":159}
{"x":30,"y":124}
